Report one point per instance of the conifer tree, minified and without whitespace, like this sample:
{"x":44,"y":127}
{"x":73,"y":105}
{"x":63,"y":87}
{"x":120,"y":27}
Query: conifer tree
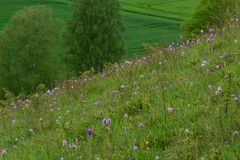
{"x":94,"y":34}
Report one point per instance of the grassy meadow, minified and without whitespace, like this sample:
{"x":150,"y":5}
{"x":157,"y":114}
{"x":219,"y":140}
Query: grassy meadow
{"x":146,"y":21}
{"x":178,"y":103}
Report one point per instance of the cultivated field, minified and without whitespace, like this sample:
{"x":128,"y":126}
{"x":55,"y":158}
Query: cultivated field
{"x":146,"y":21}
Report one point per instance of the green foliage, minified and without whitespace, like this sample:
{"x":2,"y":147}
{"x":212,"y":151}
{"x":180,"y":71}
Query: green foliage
{"x":210,"y":14}
{"x":25,"y":50}
{"x":94,"y":34}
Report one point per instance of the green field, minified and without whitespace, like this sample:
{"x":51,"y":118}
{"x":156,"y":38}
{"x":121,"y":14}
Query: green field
{"x":146,"y":21}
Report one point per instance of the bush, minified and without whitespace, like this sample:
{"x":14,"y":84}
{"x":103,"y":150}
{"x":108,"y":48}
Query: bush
{"x":25,"y":50}
{"x":94,"y":34}
{"x":209,"y":14}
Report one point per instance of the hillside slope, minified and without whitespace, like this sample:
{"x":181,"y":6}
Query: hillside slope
{"x":178,"y":103}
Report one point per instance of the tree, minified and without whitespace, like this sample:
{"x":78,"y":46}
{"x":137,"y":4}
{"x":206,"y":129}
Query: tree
{"x":209,"y":14}
{"x":94,"y":34}
{"x":25,"y":50}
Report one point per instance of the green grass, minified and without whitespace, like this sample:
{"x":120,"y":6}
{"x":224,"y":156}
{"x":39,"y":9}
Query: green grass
{"x":146,"y":21}
{"x":203,"y":125}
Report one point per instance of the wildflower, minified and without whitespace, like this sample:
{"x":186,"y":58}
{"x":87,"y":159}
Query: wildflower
{"x":106,"y":121}
{"x":210,"y":38}
{"x":31,"y":131}
{"x":147,"y":143}
{"x":64,"y":142}
{"x":217,"y":66}
{"x":58,"y":108}
{"x":224,"y":56}
{"x":235,"y":41}
{"x":186,"y":131}
{"x":210,"y":87}
{"x":40,"y":119}
{"x":236,"y":98}
{"x":123,"y":86}
{"x":97,"y":103}
{"x":101,"y":112}
{"x":140,"y":125}
{"x":219,"y":88}
{"x":51,"y":110}
{"x":211,"y":30}
{"x":235,"y":133}
{"x":204,"y":63}
{"x":89,"y":132}
{"x":125,"y":115}
{"x":169,"y":109}
{"x":14,"y":146}
{"x":28,"y":100}
{"x":217,"y":92}
{"x":202,"y":31}
{"x":49,"y":92}
{"x":13,"y":121}
{"x":135,"y":148}
{"x":157,"y":158}
{"x":14,"y":106}
{"x":61,"y":158}
{"x":74,"y":146}
{"x":115,"y":92}
{"x":4,"y":152}
{"x":128,"y":62}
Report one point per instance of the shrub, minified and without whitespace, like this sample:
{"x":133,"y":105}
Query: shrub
{"x":25,"y":50}
{"x":209,"y":14}
{"x":94,"y":34}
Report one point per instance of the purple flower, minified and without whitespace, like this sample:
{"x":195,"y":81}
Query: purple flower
{"x":169,"y":109}
{"x":106,"y":121}
{"x":204,"y":63}
{"x":141,"y":125}
{"x":89,"y":132}
{"x":135,"y":148}
{"x":97,"y":103}
{"x":4,"y":152}
{"x":64,"y":142}
{"x":224,"y":56}
{"x":101,"y":112}
{"x":74,"y":146}
{"x":31,"y":131}
{"x":14,"y":146}
{"x":125,"y":115}
{"x":115,"y":92}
